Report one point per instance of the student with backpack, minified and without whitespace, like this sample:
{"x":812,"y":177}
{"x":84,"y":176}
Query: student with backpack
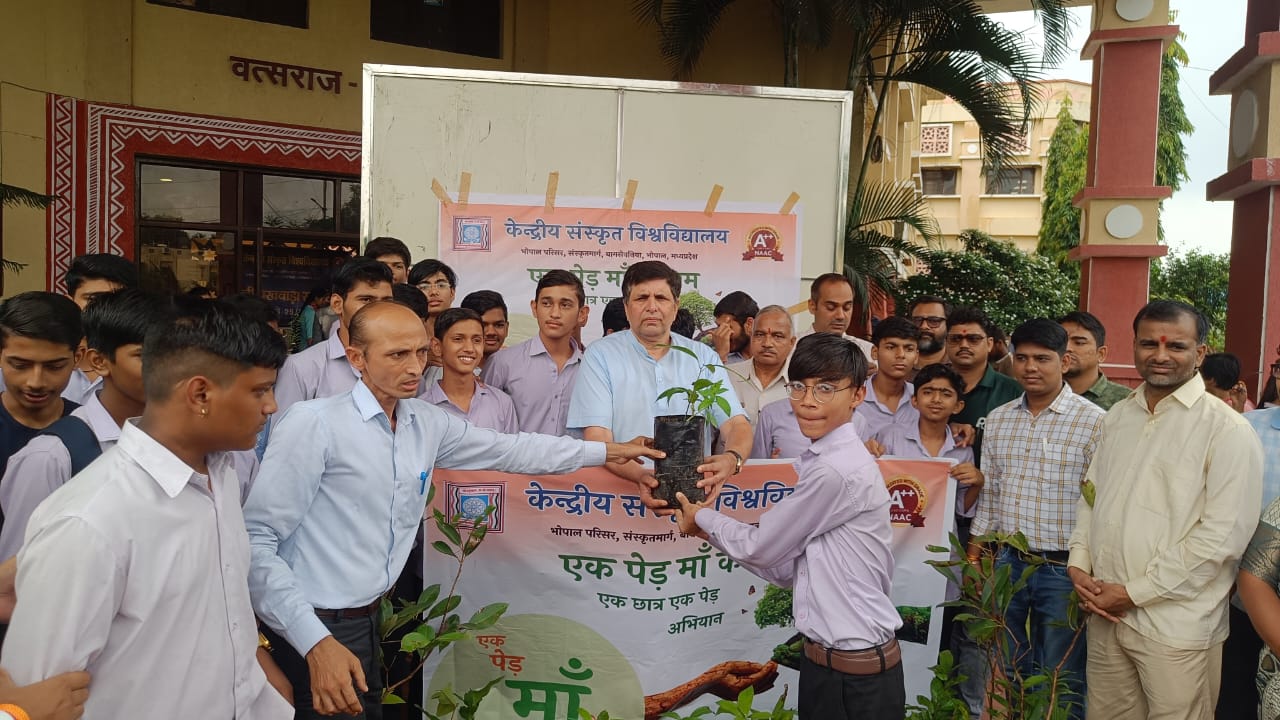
{"x":115,"y":325}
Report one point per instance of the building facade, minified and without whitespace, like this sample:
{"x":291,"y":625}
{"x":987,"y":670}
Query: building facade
{"x":961,"y":196}
{"x":217,"y":142}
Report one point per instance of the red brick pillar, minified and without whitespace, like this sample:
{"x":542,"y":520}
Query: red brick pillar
{"x":1252,"y":180}
{"x":1120,"y":200}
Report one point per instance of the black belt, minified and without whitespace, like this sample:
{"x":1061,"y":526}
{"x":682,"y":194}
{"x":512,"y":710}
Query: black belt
{"x":349,"y":613}
{"x":1053,"y":556}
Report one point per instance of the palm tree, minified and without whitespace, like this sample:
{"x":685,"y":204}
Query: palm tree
{"x":13,"y":196}
{"x":949,"y":46}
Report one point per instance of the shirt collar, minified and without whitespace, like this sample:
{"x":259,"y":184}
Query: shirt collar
{"x":907,"y":391}
{"x":913,"y":434}
{"x":169,"y":472}
{"x":842,"y":438}
{"x":98,"y":419}
{"x":1188,"y":394}
{"x":335,"y":347}
{"x":366,"y":403}
{"x":435,"y":394}
{"x":1059,"y":401}
{"x":537,"y":347}
{"x":781,"y":377}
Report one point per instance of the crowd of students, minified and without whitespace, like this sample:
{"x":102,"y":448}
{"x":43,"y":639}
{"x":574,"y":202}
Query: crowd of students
{"x":206,"y":523}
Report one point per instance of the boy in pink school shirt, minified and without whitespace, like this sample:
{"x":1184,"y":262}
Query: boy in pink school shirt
{"x":829,"y":541}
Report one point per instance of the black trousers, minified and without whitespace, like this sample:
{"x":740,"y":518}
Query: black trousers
{"x":1238,"y":696}
{"x":360,"y":636}
{"x":826,"y":694}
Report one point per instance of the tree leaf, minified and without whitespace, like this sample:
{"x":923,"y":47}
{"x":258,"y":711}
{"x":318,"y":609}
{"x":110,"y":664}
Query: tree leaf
{"x":449,"y":531}
{"x":443,"y":548}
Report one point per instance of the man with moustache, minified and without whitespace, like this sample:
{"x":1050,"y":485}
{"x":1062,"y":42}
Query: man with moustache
{"x":930,"y":313}
{"x":341,"y":493}
{"x":1177,"y":478}
{"x":1086,"y":351}
{"x":763,"y":378}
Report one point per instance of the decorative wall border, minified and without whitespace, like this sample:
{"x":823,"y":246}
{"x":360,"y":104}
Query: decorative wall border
{"x":93,"y":147}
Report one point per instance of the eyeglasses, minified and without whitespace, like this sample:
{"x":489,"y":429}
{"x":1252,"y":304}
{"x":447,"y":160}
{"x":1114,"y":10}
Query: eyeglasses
{"x":932,"y":321}
{"x":822,"y":392}
{"x":437,"y":285}
{"x":1275,"y":370}
{"x":973,"y":339}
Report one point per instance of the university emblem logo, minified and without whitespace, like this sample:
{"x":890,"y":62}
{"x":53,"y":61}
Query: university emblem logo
{"x":763,"y":242}
{"x":907,"y":501}
{"x":468,"y":503}
{"x":472,"y":234}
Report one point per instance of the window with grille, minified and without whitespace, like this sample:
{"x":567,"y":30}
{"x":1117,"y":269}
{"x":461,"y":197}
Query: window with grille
{"x":935,"y":139}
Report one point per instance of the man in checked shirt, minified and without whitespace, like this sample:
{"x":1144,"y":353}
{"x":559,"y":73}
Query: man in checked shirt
{"x":1035,"y":453}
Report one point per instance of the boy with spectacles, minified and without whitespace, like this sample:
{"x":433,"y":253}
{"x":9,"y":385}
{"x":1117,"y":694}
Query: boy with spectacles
{"x":829,"y":540}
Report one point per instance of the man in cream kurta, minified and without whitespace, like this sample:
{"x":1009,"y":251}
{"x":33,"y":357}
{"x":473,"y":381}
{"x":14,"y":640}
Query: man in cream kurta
{"x":1178,"y":480}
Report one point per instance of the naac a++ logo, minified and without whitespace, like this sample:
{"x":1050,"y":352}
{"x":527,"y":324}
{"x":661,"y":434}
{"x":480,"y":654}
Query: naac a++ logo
{"x":763,"y":242}
{"x":907,"y":501}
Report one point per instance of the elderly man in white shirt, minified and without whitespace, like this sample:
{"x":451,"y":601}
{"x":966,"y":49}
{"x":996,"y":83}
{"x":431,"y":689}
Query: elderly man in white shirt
{"x":762,"y":379}
{"x":137,"y":569}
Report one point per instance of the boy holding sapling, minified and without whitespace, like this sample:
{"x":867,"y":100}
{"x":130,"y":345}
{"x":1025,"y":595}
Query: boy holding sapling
{"x":830,"y":542}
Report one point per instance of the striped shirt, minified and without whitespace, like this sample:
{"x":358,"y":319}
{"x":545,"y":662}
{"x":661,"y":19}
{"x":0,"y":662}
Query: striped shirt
{"x":1034,"y":466}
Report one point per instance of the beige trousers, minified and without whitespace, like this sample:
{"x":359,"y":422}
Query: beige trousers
{"x":1132,"y":677}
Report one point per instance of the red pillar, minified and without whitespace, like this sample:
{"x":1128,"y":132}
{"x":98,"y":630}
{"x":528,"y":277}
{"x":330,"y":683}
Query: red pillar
{"x":1120,"y":200}
{"x":1252,"y":181}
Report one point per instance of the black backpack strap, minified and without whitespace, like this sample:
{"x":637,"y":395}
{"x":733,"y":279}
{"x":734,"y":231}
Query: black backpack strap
{"x":79,"y":440}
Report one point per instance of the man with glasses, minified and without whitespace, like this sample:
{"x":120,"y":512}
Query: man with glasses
{"x":930,"y":313}
{"x":968,"y":348}
{"x":439,"y":283}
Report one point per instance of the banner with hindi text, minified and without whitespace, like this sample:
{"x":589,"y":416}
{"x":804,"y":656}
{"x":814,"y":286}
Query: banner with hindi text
{"x":507,"y":244}
{"x":611,"y":608}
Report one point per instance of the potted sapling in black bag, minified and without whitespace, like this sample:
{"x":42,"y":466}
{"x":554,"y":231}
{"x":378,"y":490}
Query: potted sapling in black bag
{"x":685,"y":438}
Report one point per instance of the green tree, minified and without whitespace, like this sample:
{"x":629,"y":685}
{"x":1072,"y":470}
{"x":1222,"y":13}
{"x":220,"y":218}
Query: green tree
{"x":700,"y":307}
{"x":1198,"y":279}
{"x":1010,"y":285}
{"x":950,"y":46}
{"x":1063,"y":178}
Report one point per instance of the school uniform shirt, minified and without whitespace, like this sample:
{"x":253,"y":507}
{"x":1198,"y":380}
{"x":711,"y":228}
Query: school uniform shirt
{"x":877,"y":414}
{"x":1177,"y":497}
{"x":829,"y":541}
{"x":904,"y":441}
{"x":490,"y":407}
{"x":42,"y":466}
{"x":619,"y":383}
{"x":320,"y":371}
{"x":540,"y":391}
{"x":136,"y":571}
{"x":778,"y":432}
{"x":80,"y":388}
{"x":342,"y":495}
{"x":754,"y":394}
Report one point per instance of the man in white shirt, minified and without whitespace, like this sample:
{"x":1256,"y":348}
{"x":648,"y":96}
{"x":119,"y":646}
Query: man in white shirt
{"x":1177,"y":482}
{"x":137,"y":569}
{"x":831,"y":303}
{"x":760,"y":379}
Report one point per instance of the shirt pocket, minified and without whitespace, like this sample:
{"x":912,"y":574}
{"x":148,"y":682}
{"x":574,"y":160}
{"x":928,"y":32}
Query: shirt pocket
{"x":1174,"y":490}
{"x":1065,"y":466}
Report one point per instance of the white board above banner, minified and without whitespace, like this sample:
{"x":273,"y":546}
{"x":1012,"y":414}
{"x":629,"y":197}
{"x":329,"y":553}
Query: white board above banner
{"x":676,"y":141}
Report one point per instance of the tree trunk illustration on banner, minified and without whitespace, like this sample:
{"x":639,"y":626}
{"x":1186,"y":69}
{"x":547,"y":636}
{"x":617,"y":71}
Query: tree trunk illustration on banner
{"x":685,"y":438}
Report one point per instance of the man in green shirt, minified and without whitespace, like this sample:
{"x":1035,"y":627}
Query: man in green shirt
{"x":969,"y":343}
{"x":1086,"y":351}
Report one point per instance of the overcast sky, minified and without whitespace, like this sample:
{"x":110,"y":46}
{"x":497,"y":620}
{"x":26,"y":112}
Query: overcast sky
{"x":1214,"y":31}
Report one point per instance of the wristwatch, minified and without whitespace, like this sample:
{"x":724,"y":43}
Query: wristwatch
{"x":737,"y":461}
